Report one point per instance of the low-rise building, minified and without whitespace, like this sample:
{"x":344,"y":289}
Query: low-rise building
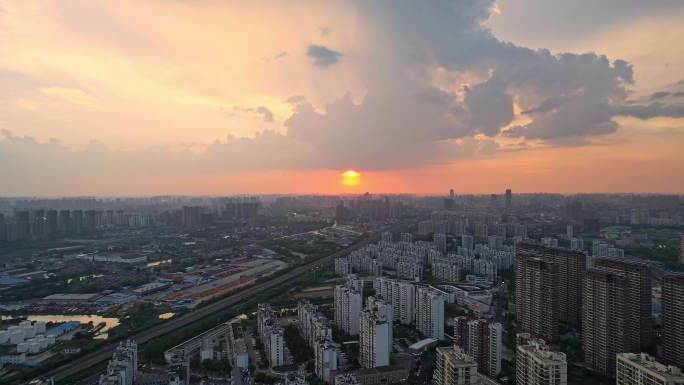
{"x":643,"y":369}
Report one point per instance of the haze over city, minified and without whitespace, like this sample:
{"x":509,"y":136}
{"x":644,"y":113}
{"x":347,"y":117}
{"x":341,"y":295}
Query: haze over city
{"x":212,"y":97}
{"x":341,"y":192}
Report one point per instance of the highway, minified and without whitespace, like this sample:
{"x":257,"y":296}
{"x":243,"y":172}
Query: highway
{"x":104,"y":353}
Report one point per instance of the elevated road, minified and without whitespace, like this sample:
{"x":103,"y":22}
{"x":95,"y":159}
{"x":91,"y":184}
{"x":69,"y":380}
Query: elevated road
{"x":104,"y":353}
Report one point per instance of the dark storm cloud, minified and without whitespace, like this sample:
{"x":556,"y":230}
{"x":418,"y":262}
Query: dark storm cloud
{"x":322,"y":56}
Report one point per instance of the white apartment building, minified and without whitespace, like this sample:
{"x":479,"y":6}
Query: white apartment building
{"x":375,"y":339}
{"x":400,"y":294}
{"x":430,"y":312}
{"x":348,"y":303}
{"x":123,"y":367}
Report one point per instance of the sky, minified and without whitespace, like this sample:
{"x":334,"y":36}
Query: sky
{"x":213,"y":97}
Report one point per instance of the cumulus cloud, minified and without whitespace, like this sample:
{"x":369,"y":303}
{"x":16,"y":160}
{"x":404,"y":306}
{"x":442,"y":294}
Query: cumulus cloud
{"x":265,"y":113}
{"x":322,"y":56}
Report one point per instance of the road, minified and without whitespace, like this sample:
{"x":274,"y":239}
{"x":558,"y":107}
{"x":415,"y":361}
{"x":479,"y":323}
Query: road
{"x":104,"y":353}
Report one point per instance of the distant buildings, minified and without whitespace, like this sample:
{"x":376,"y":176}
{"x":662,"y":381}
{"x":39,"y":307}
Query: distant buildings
{"x":454,"y":367}
{"x":681,"y":248}
{"x":536,"y":364}
{"x":242,"y":211}
{"x":673,"y":319}
{"x":643,"y":369}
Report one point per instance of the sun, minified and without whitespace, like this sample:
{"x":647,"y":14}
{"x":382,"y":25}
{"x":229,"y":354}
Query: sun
{"x":351,"y":178}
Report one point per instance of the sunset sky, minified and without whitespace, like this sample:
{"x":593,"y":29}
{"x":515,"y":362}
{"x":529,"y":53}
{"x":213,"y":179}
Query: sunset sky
{"x":215,"y":97}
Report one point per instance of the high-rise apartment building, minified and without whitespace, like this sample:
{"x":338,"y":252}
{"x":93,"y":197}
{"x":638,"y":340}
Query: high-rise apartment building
{"x":123,"y":367}
{"x":325,"y":361}
{"x":673,"y":319}
{"x":271,"y":334}
{"x":375,"y":338}
{"x":643,"y":369}
{"x":565,"y":269}
{"x":608,"y":321}
{"x":401,"y":295}
{"x":536,"y":364}
{"x":481,"y":338}
{"x":430,"y":312}
{"x":638,"y":276}
{"x":681,"y":248}
{"x":454,"y":367}
{"x":348,"y":303}
{"x":536,"y":294}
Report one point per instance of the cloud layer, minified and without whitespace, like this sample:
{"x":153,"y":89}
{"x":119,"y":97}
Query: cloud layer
{"x":430,"y":84}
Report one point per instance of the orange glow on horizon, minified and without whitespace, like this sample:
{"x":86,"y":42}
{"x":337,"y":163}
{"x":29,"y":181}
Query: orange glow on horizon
{"x":351,"y":178}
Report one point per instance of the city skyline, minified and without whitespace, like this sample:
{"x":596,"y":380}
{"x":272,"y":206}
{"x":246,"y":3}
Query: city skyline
{"x":214,"y":98}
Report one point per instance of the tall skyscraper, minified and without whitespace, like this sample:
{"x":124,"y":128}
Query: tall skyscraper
{"x":454,"y":367}
{"x":608,"y":320}
{"x":375,"y":339}
{"x":567,"y":268}
{"x":348,"y":303}
{"x":638,"y":275}
{"x":509,"y":198}
{"x":673,"y":319}
{"x":536,"y":296}
{"x":430,"y":312}
{"x":481,"y":338}
{"x":643,"y":369}
{"x":536,"y":364}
